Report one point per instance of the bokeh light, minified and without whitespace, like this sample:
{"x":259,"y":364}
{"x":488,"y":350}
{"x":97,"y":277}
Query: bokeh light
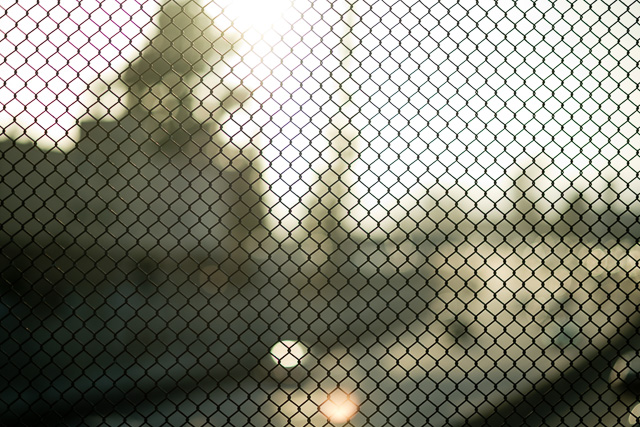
{"x":288,"y":353}
{"x":339,"y":407}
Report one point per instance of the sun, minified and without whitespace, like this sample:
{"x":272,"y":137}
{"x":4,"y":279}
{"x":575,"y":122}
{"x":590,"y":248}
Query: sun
{"x":245,"y":16}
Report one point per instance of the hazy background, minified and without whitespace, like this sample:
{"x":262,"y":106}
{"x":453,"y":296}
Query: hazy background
{"x":414,"y":109}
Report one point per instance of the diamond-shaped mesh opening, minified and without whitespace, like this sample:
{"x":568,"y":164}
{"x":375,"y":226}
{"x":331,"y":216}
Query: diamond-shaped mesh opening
{"x":319,"y":213}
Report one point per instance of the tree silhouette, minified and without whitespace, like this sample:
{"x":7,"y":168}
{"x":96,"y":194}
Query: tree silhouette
{"x":525,"y":216}
{"x":162,"y":80}
{"x":166,"y":85}
{"x":327,"y":192}
{"x":578,"y":219}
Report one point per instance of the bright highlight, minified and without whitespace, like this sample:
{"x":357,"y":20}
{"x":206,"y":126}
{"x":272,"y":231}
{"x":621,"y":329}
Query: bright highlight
{"x":339,"y":407}
{"x":288,"y":353}
{"x":250,"y":15}
{"x":634,"y":415}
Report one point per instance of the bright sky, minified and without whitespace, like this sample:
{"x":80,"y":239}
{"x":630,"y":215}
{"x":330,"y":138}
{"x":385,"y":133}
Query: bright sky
{"x":51,"y":51}
{"x":451,"y":100}
{"x":431,"y":94}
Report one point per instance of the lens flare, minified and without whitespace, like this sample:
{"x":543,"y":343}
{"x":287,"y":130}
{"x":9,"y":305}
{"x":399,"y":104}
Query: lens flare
{"x":339,"y":407}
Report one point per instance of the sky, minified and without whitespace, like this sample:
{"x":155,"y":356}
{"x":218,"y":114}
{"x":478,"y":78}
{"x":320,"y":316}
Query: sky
{"x":51,"y":52}
{"x":430,"y":100}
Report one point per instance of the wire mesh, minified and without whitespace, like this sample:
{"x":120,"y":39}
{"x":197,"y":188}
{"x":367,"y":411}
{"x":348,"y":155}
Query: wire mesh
{"x":315,"y":213}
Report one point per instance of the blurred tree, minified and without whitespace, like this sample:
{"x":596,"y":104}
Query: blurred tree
{"x":162,"y":80}
{"x":525,"y":216}
{"x":180,"y":91}
{"x":326,"y":198}
{"x":577,"y":219}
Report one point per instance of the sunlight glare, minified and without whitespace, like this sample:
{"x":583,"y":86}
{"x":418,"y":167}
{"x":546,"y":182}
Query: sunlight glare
{"x":250,"y":15}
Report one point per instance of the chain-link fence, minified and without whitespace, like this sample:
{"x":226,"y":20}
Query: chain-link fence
{"x":319,"y":212}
